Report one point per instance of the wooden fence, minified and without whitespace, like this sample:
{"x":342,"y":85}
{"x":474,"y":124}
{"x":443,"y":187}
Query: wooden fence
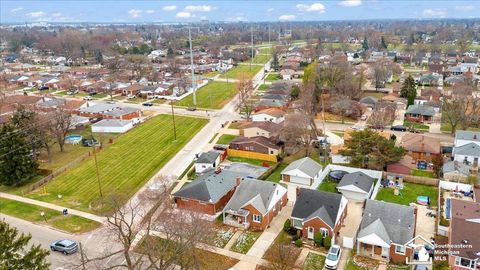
{"x":417,"y":179}
{"x":251,"y":155}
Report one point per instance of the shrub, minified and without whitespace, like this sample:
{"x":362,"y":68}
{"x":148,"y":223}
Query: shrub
{"x":287,"y":225}
{"x":327,"y":242}
{"x":318,"y":239}
{"x":298,"y":243}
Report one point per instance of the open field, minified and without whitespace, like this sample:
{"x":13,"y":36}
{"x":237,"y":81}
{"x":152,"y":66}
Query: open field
{"x":261,"y":58}
{"x":235,"y":72}
{"x":214,"y":95}
{"x":124,"y":166}
{"x":408,"y":194}
{"x":30,"y":212}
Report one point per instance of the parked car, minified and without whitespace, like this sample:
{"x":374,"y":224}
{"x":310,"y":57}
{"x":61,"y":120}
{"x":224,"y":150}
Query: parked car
{"x":333,"y":257}
{"x":72,"y":92}
{"x":130,"y":96}
{"x":64,"y":246}
{"x":92,"y":93}
{"x":88,"y":98}
{"x":379,"y":127}
{"x":43,"y":88}
{"x":148,"y":104}
{"x":90,"y":142}
{"x":191,"y":109}
{"x":398,"y":128}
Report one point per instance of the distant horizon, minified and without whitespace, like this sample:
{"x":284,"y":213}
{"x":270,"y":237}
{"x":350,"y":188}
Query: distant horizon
{"x":135,"y":12}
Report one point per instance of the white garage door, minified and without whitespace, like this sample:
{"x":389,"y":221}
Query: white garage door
{"x":352,"y":195}
{"x":300,"y":180}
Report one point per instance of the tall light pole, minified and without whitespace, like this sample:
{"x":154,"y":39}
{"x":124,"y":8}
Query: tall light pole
{"x":192,"y":69}
{"x":174,"y":126}
{"x":251,"y":37}
{"x":96,"y":167}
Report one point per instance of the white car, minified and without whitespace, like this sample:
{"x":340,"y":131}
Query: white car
{"x":333,"y":257}
{"x":88,"y":98}
{"x":364,"y":117}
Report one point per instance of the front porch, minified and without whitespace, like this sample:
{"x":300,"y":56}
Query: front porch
{"x":237,"y":219}
{"x":375,"y":252}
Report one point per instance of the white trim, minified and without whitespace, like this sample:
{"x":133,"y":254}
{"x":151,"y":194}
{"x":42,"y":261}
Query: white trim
{"x":259,"y":217}
{"x":402,"y":246}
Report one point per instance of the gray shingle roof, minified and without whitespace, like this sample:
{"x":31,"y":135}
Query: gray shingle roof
{"x":453,"y":166}
{"x":467,"y":135}
{"x":258,"y":193}
{"x":470,"y":149}
{"x":306,"y":165}
{"x":358,"y":179}
{"x":208,"y":157}
{"x":312,"y":203}
{"x":121,"y":111}
{"x":210,"y":187}
{"x":98,"y":108}
{"x":112,"y":123}
{"x":392,"y":222}
{"x":421,"y":110}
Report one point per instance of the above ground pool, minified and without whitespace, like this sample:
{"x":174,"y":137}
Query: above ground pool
{"x":73,"y":139}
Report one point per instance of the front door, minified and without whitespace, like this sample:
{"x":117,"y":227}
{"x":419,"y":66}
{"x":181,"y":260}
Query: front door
{"x":385,"y":252}
{"x":310,"y":233}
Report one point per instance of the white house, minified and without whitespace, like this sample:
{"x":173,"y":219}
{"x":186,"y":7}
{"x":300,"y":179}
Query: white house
{"x":356,"y":186}
{"x":287,"y":74}
{"x":463,"y":137}
{"x":112,"y":126}
{"x":303,"y":171}
{"x":274,"y":115}
{"x":467,"y":147}
{"x":208,"y":160}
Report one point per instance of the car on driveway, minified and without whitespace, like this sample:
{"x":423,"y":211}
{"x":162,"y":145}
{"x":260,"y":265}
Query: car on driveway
{"x":191,"y":109}
{"x":333,"y":257}
{"x":398,"y":128}
{"x":64,"y":246}
{"x":148,"y":104}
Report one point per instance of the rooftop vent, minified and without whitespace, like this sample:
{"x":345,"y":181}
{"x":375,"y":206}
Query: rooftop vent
{"x":465,"y":241}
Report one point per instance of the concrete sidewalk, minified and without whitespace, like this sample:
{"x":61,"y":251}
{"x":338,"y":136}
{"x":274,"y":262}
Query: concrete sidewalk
{"x":90,"y":216}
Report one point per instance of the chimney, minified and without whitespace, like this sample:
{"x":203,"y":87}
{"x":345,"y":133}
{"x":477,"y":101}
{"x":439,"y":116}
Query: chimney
{"x":415,"y":213}
{"x":298,"y":191}
{"x":237,"y":181}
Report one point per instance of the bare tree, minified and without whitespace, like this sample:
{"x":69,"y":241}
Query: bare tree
{"x":60,"y":123}
{"x":460,"y":111}
{"x":342,"y":107}
{"x":245,"y":87}
{"x":282,"y":256}
{"x":298,"y":132}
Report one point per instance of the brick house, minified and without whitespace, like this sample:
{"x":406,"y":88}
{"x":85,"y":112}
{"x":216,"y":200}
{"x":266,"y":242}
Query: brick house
{"x":385,"y":231}
{"x":109,"y":111}
{"x":209,"y":193}
{"x":254,"y":204}
{"x":318,"y":212}
{"x":420,"y":147}
{"x":258,"y":144}
{"x":419,"y":113}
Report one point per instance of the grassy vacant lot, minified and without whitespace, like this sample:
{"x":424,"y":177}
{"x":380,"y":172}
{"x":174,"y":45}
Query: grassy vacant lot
{"x":124,"y":166}
{"x":245,"y":241}
{"x":226,"y":139}
{"x":206,"y":259}
{"x":422,"y":173}
{"x":314,"y":261}
{"x":235,"y":72}
{"x":214,"y":95}
{"x":408,"y":194}
{"x":30,"y":212}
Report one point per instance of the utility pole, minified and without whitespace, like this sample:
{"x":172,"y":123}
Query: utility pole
{"x":174,"y":126}
{"x":96,"y":167}
{"x":192,"y":69}
{"x":251,"y":37}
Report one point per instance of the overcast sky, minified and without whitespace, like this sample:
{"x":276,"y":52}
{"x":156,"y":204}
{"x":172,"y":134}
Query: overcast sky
{"x":190,"y":11}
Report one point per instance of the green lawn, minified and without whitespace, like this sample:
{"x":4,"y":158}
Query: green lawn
{"x":214,"y":95}
{"x":226,"y":139}
{"x":266,"y":50}
{"x":235,"y":72}
{"x":263,"y":87}
{"x":314,"y":261}
{"x":377,"y":95}
{"x":408,"y":194}
{"x":261,"y":59}
{"x":30,"y":212}
{"x":422,"y":173}
{"x":276,"y":176}
{"x":256,"y":162}
{"x":272,"y":77}
{"x":417,"y":126}
{"x":328,"y":186}
{"x":124,"y":166}
{"x":100,"y":95}
{"x":136,"y":100}
{"x":245,"y":241}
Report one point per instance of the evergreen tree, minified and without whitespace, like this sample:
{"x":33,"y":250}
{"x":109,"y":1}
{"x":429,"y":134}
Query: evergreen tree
{"x":15,"y":252}
{"x":409,"y":90}
{"x":383,"y":43}
{"x":275,"y":61}
{"x":17,"y":164}
{"x":365,"y":44}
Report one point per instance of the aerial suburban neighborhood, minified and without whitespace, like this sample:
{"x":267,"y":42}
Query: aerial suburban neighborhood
{"x":247,"y":135}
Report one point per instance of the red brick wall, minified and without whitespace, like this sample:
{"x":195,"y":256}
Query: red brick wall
{"x":260,"y":226}
{"x":317,"y":223}
{"x":202,"y":207}
{"x":398,"y":258}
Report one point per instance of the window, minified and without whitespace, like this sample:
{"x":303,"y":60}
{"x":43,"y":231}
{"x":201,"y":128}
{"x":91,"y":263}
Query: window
{"x":324,"y":232}
{"x":297,"y":223}
{"x":257,"y":218}
{"x":400,"y":249}
{"x":465,"y":262}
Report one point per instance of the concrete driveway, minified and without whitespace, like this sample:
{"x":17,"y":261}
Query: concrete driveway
{"x":425,"y":224}
{"x":352,"y":221}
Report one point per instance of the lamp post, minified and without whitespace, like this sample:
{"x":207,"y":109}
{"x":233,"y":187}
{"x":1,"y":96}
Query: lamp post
{"x":96,"y":167}
{"x":174,"y":126}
